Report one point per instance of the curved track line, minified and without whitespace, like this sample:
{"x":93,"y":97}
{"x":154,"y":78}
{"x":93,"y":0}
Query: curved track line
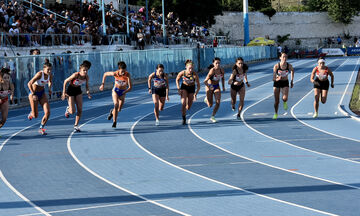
{"x":343,"y":96}
{"x":287,"y":143}
{"x":210,"y":179}
{"x":313,"y":127}
{"x":109,"y":182}
{"x":12,"y":187}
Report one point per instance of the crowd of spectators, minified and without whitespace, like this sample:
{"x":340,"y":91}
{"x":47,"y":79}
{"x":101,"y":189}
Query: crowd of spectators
{"x":85,"y":21}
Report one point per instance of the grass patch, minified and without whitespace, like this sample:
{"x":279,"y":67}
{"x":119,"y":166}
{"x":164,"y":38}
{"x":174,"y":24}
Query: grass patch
{"x":355,"y":98}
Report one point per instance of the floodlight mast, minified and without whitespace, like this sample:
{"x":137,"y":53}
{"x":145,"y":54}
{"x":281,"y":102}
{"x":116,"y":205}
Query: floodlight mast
{"x":246,"y":22}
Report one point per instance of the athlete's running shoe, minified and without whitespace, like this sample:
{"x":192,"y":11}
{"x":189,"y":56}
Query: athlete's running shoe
{"x":67,"y":113}
{"x":238,"y":117}
{"x":157,"y":122}
{"x":30,"y":117}
{"x":316,"y":114}
{"x":77,"y":129}
{"x":114,"y":125}
{"x":233,"y":108}
{"x":110,"y":115}
{"x":205,"y":101}
{"x":285,"y":106}
{"x":184,"y":120}
{"x":275,"y":116}
{"x":212,"y":118}
{"x":42,"y":131}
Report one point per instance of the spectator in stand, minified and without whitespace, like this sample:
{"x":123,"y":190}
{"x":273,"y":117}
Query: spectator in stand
{"x":339,"y":40}
{"x":357,"y":44}
{"x":215,"y":42}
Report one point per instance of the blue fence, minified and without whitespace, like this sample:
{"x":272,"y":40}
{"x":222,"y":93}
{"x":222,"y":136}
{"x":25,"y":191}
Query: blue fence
{"x":139,"y":63}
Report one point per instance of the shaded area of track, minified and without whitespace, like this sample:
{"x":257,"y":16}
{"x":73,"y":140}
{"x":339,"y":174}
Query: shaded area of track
{"x":288,"y":129}
{"x":186,"y":151}
{"x":43,"y":170}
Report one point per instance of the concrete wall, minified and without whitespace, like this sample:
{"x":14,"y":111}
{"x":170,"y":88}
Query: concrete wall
{"x":309,"y":27}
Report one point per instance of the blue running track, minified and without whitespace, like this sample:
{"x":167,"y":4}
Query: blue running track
{"x":295,"y":165}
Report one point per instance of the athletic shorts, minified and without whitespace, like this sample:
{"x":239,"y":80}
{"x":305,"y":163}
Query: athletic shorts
{"x":214,"y":87}
{"x":322,"y":85}
{"x":4,"y":100}
{"x":73,"y":90}
{"x":281,"y":84}
{"x":118,"y":91}
{"x":39,"y":94}
{"x":159,"y":91}
{"x":237,"y":87}
{"x":189,"y":89}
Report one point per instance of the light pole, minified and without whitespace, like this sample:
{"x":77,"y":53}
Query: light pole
{"x":103,"y":16}
{"x":246,"y":22}
{"x":163,"y":25}
{"x":127,"y":18}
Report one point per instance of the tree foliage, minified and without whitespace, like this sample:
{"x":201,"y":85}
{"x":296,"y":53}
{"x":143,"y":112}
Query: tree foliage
{"x":237,"y":5}
{"x":341,"y":11}
{"x":202,"y":12}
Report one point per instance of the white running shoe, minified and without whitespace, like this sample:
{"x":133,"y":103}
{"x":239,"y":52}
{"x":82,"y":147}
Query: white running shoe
{"x":157,"y":122}
{"x":213,"y":119}
{"x":77,"y":129}
{"x":316,"y":114}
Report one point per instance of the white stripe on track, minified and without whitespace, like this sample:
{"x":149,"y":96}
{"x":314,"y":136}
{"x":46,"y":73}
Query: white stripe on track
{"x":108,"y":181}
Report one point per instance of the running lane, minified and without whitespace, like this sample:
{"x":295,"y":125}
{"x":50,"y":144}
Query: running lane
{"x":42,"y":170}
{"x":288,"y":129}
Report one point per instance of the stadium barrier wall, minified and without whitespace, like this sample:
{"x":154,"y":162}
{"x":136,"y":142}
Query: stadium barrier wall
{"x":139,"y":63}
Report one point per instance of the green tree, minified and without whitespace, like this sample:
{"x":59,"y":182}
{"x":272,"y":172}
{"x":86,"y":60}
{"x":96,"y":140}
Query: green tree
{"x":317,"y":5}
{"x":343,"y":11}
{"x":199,"y":11}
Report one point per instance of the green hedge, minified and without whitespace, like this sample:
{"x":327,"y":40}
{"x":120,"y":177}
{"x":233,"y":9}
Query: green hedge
{"x":355,"y":100}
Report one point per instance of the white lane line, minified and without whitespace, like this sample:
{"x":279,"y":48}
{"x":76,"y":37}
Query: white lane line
{"x":315,"y":128}
{"x":96,"y":207}
{"x":343,"y":96}
{"x":282,"y":141}
{"x":108,"y":181}
{"x":7,"y":183}
{"x":210,"y":179}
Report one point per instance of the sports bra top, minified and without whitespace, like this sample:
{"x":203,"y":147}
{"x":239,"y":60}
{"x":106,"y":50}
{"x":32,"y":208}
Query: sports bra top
{"x":121,"y":79}
{"x":77,"y":81}
{"x":189,"y":80}
{"x":283,"y":72}
{"x":159,"y":82}
{"x":323,"y":75}
{"x":42,"y":81}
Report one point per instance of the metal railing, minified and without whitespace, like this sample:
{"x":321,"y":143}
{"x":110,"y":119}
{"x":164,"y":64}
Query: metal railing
{"x":26,"y":40}
{"x":139,"y":64}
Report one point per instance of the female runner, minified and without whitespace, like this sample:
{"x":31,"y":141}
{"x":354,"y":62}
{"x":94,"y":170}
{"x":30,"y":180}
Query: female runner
{"x":122,"y":86}
{"x":236,"y":80}
{"x":37,"y":95}
{"x":212,"y":86}
{"x":159,"y":90}
{"x":187,"y":88}
{"x":6,"y":88}
{"x":74,"y":94}
{"x":319,"y":77}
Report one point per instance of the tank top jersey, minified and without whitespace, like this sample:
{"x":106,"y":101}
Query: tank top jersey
{"x":159,"y":82}
{"x":42,"y":81}
{"x":238,"y":77}
{"x":216,"y":77}
{"x":78,"y":82}
{"x":322,"y":76}
{"x":189,"y":80}
{"x":283,"y":72}
{"x":121,"y":80}
{"x":4,"y":93}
